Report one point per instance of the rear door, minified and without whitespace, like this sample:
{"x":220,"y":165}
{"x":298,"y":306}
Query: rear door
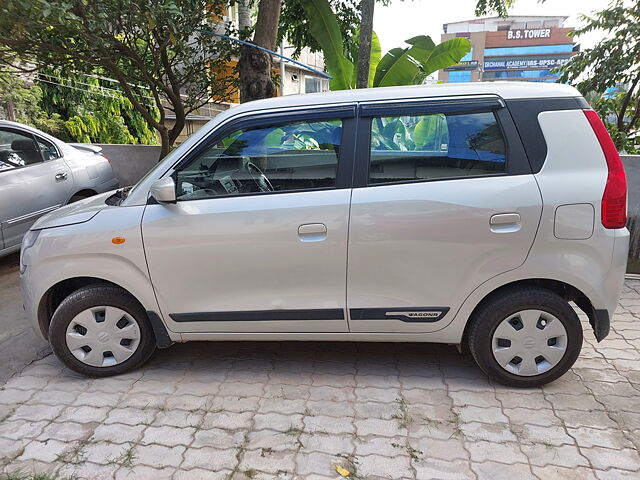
{"x":444,"y":200}
{"x":34,"y":180}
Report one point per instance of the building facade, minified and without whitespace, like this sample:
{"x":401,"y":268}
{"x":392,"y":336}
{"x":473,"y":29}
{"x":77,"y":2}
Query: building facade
{"x":522,"y":48}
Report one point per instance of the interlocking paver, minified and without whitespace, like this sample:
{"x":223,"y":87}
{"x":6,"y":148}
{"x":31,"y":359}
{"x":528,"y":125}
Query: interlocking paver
{"x":605,"y":458}
{"x":296,"y":410}
{"x":208,"y":458}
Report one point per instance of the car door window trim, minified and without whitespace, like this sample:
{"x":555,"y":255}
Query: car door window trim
{"x":344,"y":171}
{"x":430,"y":106}
{"x":516,"y":160}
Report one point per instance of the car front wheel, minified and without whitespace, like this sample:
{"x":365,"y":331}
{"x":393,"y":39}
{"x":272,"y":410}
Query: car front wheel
{"x":525,"y":337}
{"x":101,"y":330}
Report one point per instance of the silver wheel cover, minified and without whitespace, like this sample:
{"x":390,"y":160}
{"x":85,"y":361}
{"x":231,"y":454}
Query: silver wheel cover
{"x":529,"y":342}
{"x":103,"y":336}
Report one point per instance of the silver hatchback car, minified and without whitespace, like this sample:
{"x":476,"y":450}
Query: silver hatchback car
{"x":467,"y":214}
{"x":38,"y":174}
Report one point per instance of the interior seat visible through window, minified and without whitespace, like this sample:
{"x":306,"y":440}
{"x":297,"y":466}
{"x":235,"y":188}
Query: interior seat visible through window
{"x":279,"y":158}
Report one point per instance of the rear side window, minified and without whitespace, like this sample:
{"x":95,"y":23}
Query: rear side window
{"x":17,"y":150}
{"x":435,"y":146}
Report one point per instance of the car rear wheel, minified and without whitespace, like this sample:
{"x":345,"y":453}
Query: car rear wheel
{"x":101,"y":330}
{"x":525,"y":337}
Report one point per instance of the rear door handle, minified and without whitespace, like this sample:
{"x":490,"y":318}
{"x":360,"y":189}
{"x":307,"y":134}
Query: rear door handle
{"x":505,"y":222}
{"x":61,"y":177}
{"x":312,"y":232}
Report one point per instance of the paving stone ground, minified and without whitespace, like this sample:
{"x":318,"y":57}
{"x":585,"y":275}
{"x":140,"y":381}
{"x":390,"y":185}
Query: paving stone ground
{"x":299,"y":410}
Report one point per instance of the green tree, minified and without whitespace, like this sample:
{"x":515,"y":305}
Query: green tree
{"x":20,"y":102}
{"x":94,"y":108}
{"x":354,"y":28}
{"x":294,"y":26}
{"x":611,"y":63}
{"x":153,"y":48}
{"x":400,"y":66}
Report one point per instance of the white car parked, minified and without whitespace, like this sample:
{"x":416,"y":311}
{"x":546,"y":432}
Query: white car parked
{"x":468,"y":214}
{"x":38,"y":174}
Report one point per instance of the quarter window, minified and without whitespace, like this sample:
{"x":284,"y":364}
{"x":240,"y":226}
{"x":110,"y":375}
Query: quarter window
{"x":17,"y":150}
{"x":279,"y":158}
{"x":48,"y":149}
{"x":425,"y":147}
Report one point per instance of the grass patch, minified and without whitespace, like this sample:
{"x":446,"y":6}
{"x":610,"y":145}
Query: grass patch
{"x":402,"y":415}
{"x":125,"y":459}
{"x":76,"y":455}
{"x":22,"y":475}
{"x":293,"y":430}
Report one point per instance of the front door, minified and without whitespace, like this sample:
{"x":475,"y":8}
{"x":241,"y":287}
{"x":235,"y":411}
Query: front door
{"x":443,"y":203}
{"x":34,"y":180}
{"x":257,"y":241}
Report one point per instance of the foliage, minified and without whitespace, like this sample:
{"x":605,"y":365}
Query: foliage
{"x":409,"y":133}
{"x":25,"y":101}
{"x":612,"y":62}
{"x":94,"y":108}
{"x":483,"y":7}
{"x":400,"y":66}
{"x":609,"y":106}
{"x":323,"y":26}
{"x":153,"y":48}
{"x":295,"y":28}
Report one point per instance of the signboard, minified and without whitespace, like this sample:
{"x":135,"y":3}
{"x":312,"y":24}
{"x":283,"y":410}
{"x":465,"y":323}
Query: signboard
{"x":528,"y":34}
{"x":521,"y":64}
{"x":468,"y":65}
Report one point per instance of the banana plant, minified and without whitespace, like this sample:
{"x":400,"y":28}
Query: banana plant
{"x":399,"y":66}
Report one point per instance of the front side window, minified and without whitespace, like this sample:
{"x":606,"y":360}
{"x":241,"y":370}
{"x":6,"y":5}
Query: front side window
{"x":426,"y":147}
{"x":279,"y":158}
{"x":17,"y":150}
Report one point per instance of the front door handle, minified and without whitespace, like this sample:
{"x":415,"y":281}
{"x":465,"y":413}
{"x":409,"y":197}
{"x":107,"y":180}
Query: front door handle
{"x":505,"y":222}
{"x":60,"y":177}
{"x":312,"y":232}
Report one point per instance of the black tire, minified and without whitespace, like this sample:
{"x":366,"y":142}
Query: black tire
{"x":92,"y":296}
{"x":505,"y":303}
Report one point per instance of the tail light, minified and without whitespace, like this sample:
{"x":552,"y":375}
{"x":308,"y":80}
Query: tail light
{"x":106,"y":158}
{"x":614,"y":199}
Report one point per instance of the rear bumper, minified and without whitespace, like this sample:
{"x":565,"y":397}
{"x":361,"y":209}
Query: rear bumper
{"x":612,"y":285}
{"x":111,"y":184}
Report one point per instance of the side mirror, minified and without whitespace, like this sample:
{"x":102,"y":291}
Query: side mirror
{"x":163,"y":190}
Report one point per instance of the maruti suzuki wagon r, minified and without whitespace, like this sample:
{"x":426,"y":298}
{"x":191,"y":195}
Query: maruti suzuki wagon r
{"x":467,"y":214}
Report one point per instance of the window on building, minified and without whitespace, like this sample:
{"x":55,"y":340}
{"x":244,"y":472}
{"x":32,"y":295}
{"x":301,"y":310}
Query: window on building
{"x":519,"y":74}
{"x":277,"y":158}
{"x":536,"y":49}
{"x":315,"y":84}
{"x":427,"y":147}
{"x":458,"y":77}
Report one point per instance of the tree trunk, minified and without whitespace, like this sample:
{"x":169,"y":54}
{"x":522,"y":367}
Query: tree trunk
{"x":364,"y":49}
{"x":164,"y":141}
{"x":255,"y":65}
{"x":244,"y":18}
{"x":11,"y":111}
